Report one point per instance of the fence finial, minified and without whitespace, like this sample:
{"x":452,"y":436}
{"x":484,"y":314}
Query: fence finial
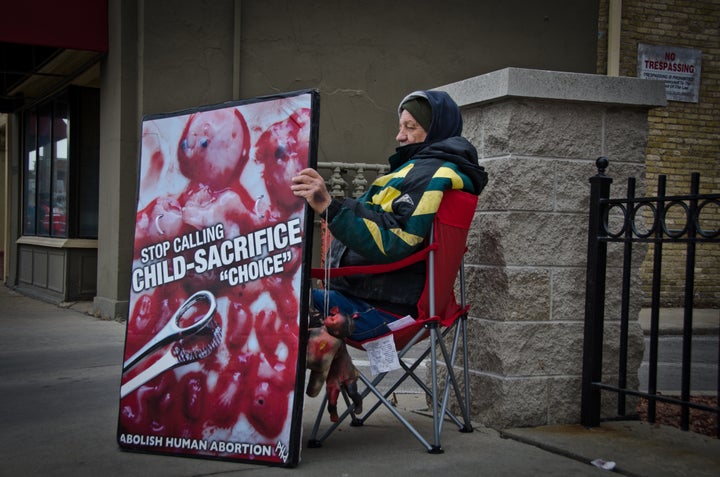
{"x":602,"y":163}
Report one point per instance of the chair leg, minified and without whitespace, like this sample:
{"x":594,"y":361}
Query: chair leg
{"x":397,"y":414}
{"x":466,"y":377}
{"x":434,"y":336}
{"x":451,"y":382}
{"x":440,"y":408}
{"x":313,"y":441}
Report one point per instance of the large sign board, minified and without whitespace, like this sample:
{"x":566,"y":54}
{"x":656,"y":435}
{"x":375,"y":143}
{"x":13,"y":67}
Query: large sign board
{"x":214,"y":362}
{"x":678,"y":67}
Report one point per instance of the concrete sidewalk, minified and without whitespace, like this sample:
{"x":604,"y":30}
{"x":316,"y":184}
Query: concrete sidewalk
{"x":60,"y":377}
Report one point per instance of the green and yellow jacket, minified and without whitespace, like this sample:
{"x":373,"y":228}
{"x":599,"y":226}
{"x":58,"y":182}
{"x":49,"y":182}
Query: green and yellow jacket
{"x":393,"y":218}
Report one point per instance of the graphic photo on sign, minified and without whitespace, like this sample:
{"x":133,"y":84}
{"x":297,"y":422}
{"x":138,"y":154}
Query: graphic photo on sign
{"x":214,"y":351}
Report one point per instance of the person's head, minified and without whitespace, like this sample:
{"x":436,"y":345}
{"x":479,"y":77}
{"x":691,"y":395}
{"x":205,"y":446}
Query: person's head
{"x":414,"y":122}
{"x":428,"y":116}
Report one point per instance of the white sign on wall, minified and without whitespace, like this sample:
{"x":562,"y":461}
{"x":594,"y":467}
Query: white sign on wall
{"x":678,"y":67}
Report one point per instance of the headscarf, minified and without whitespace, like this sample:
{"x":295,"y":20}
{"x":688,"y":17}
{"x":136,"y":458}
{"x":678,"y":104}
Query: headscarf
{"x":446,"y":118}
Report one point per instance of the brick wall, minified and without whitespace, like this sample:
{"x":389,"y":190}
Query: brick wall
{"x":683,"y":137}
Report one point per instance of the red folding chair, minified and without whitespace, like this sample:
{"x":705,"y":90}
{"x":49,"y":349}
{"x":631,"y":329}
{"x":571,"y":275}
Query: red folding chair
{"x":440,"y":314}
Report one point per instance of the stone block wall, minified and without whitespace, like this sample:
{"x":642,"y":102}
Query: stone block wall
{"x":538,"y":134}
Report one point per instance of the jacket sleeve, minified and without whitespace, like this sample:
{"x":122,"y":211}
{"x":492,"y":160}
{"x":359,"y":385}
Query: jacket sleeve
{"x":393,"y":218}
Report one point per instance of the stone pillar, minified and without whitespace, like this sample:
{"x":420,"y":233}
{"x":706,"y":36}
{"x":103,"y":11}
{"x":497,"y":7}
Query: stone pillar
{"x":119,"y":138}
{"x":538,"y":134}
{"x":143,"y":75}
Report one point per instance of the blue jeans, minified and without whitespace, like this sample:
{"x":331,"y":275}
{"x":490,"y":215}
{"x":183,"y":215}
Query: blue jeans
{"x":370,"y":322}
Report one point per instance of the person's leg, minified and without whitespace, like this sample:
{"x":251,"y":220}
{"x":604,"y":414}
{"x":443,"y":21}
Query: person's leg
{"x":368,"y":321}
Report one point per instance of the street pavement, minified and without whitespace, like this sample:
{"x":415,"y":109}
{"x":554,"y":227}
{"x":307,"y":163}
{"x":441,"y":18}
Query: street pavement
{"x":59,"y":401}
{"x":704,"y":347}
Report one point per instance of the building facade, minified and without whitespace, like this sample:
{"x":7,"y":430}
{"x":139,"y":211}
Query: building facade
{"x":164,"y":56}
{"x":684,"y":136}
{"x":72,"y":114}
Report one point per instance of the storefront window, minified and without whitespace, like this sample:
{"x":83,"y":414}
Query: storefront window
{"x":60,"y":169}
{"x":53,"y":160}
{"x":29,"y":174}
{"x":86,"y":168}
{"x":44,"y":170}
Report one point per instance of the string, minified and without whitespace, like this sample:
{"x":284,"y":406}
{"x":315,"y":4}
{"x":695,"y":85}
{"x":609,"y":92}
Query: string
{"x":326,"y":266}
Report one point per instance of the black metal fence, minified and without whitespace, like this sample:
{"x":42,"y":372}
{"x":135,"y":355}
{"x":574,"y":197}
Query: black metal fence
{"x":630,"y":221}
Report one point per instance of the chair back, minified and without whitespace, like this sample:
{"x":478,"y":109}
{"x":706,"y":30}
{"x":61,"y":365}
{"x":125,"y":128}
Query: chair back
{"x":443,"y":256}
{"x":439,"y":315}
{"x":450,"y":232}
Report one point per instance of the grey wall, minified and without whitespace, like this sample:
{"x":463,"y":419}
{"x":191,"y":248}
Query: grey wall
{"x":365,"y":56}
{"x":170,"y":55}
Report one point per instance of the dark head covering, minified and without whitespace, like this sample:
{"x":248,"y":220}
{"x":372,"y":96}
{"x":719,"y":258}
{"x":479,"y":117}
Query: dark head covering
{"x":420,"y":109}
{"x":446,"y":119}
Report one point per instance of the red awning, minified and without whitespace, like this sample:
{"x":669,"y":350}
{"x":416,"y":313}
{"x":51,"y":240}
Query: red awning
{"x":70,"y":24}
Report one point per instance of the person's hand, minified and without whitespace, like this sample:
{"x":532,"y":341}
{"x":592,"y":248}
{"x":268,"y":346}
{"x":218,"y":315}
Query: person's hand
{"x":310,"y":185}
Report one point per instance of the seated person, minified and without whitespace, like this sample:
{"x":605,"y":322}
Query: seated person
{"x":394,"y":216}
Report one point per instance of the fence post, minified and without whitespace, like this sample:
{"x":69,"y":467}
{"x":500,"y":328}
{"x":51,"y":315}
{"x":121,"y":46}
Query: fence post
{"x":658,"y":227}
{"x":693,"y":219}
{"x":595,"y":296}
{"x":630,"y":212}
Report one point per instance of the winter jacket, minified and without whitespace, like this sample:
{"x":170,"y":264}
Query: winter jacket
{"x":393,"y":218}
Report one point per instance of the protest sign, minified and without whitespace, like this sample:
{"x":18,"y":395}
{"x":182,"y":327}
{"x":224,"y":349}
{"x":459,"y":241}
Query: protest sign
{"x":214,"y":361}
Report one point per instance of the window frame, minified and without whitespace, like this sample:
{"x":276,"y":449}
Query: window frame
{"x":60,"y":194}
